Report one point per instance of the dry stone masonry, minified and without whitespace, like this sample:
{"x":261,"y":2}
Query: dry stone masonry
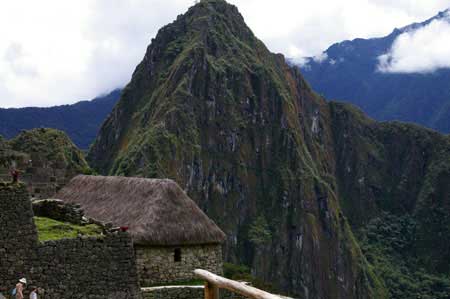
{"x":96,"y":268}
{"x":171,"y":264}
{"x":87,"y":267}
{"x":184,"y":292}
{"x":43,"y":178}
{"x":59,"y":210}
{"x":171,"y":292}
{"x":18,"y":236}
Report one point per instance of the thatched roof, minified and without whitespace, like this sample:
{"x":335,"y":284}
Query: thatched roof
{"x":157,"y":211}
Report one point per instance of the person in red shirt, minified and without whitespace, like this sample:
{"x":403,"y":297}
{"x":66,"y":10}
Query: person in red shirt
{"x":15,"y":175}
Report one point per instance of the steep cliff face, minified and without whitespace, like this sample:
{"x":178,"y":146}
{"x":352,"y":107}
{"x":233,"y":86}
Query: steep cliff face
{"x":394,"y":183}
{"x":212,"y":108}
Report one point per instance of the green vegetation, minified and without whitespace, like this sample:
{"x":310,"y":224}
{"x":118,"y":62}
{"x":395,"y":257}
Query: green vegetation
{"x":49,"y":229}
{"x":259,"y":232}
{"x":52,"y":145}
{"x":388,"y":242}
{"x":243,"y":273}
{"x":236,"y":272}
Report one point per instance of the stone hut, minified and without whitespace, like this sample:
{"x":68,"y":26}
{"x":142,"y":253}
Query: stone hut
{"x":171,"y":234}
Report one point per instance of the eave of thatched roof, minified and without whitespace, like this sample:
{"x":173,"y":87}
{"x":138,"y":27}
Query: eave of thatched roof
{"x":157,"y":211}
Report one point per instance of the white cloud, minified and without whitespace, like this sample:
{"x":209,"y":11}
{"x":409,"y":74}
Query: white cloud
{"x":15,"y":58}
{"x":321,"y":57}
{"x":58,"y":52}
{"x":312,"y":26}
{"x":419,"y":51}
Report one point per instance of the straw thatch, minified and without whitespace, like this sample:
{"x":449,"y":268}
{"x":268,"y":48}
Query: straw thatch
{"x":157,"y":211}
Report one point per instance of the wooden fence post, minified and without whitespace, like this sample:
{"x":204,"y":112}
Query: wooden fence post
{"x":211,"y":291}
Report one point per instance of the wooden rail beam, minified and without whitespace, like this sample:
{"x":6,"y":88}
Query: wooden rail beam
{"x":213,"y":280}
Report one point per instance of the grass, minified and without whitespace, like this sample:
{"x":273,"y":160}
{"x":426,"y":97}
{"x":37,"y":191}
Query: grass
{"x":49,"y":229}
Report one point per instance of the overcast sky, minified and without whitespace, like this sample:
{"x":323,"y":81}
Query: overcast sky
{"x":59,"y":52}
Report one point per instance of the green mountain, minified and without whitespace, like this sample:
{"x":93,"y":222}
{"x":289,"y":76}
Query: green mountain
{"x":49,"y":148}
{"x":282,"y":172}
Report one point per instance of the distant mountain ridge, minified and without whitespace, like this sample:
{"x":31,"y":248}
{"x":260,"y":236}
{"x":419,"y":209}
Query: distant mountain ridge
{"x":80,"y":121}
{"x":348,"y":72}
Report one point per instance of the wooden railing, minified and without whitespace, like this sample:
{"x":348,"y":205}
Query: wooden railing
{"x":215,"y":282}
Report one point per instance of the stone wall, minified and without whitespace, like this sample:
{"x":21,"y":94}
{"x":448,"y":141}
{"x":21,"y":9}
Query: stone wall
{"x":103,"y":267}
{"x":184,"y":292}
{"x":157,"y":265}
{"x":59,"y":210}
{"x":18,"y":237}
{"x":87,"y":268}
{"x":43,"y":178}
{"x":173,"y":292}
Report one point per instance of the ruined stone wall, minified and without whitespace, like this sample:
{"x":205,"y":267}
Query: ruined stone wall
{"x":157,"y":265}
{"x":43,"y":178}
{"x":99,"y":268}
{"x":184,"y":292}
{"x":59,"y":210}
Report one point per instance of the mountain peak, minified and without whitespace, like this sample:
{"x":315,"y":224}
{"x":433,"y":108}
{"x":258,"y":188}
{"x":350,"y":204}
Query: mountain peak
{"x":441,"y":16}
{"x":444,"y":14}
{"x":211,"y":22}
